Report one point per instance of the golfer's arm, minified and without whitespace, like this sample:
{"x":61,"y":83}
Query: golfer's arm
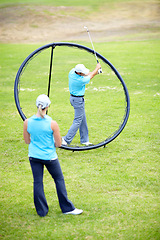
{"x":26,"y":135}
{"x":95,"y":71}
{"x":92,"y":74}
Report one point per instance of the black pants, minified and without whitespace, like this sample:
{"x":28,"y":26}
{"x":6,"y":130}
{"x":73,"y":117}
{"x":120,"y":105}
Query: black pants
{"x":54,"y":168}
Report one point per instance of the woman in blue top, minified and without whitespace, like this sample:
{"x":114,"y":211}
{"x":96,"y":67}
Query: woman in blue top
{"x":78,"y":78}
{"x":43,"y":135}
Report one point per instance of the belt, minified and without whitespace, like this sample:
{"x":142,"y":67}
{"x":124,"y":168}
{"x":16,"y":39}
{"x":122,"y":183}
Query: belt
{"x":76,"y":96}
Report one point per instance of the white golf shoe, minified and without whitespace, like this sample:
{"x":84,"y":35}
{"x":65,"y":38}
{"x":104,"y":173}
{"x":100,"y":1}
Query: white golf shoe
{"x":64,"y":142}
{"x":87,"y":143}
{"x":75,"y":212}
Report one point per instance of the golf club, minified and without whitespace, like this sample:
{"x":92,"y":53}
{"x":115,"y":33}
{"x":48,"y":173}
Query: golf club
{"x":100,"y":70}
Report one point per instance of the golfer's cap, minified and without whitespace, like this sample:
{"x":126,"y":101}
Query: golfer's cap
{"x":43,"y":100}
{"x":80,"y":68}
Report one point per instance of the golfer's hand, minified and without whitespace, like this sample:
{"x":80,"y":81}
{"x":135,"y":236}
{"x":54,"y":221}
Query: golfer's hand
{"x":99,"y":69}
{"x":98,"y":66}
{"x":95,"y":71}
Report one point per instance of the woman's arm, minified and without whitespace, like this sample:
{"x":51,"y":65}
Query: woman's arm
{"x":26,"y":135}
{"x":56,"y":133}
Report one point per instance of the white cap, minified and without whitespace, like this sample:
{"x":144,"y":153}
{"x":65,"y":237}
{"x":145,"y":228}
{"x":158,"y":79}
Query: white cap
{"x":43,"y":100}
{"x":80,"y":68}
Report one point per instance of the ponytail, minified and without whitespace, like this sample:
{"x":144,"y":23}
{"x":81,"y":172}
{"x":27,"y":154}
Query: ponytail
{"x":40,"y":111}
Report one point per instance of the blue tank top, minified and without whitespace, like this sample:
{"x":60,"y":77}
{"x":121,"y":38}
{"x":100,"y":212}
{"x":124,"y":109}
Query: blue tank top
{"x":42,"y":140}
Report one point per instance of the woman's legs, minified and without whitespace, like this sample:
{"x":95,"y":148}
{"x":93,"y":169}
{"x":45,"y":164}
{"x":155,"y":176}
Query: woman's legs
{"x":54,"y":169}
{"x":40,"y":201}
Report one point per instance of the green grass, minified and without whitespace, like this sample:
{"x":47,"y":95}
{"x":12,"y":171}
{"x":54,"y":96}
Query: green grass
{"x":63,"y":2}
{"x":117,"y":186}
{"x":91,"y":5}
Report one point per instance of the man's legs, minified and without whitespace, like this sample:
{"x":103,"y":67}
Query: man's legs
{"x":79,"y":118}
{"x":83,"y":130}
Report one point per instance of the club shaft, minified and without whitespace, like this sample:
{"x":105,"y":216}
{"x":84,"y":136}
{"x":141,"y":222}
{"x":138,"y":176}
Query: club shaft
{"x":92,"y":45}
{"x":100,"y":70}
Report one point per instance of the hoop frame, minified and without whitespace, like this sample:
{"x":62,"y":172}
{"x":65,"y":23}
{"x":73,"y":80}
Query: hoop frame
{"x":53,"y":45}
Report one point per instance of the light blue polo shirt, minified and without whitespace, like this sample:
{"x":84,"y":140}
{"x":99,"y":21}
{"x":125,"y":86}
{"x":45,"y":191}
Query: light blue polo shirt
{"x":42,"y":140}
{"x":77,"y":83}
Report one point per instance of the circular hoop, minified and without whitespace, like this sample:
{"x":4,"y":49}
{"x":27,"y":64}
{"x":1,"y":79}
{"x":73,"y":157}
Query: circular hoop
{"x":53,"y":45}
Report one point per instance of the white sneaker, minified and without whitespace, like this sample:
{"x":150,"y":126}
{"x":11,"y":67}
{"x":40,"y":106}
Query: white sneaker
{"x":64,"y":142}
{"x":75,"y":212}
{"x":87,"y":143}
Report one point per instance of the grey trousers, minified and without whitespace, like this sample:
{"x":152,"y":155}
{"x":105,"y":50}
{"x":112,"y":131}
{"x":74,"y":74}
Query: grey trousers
{"x":79,"y":121}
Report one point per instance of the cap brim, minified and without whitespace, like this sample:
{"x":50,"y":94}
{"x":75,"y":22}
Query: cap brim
{"x":85,"y":71}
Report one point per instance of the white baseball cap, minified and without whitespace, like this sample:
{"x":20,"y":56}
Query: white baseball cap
{"x":43,"y":100}
{"x":80,"y":68}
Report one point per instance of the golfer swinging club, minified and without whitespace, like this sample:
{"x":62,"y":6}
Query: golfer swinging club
{"x":78,"y":78}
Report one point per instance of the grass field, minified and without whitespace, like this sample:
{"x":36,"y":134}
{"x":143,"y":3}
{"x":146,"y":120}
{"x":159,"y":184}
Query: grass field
{"x":63,"y":2}
{"x":117,"y":186}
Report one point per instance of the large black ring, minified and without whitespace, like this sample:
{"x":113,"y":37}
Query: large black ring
{"x":53,"y":45}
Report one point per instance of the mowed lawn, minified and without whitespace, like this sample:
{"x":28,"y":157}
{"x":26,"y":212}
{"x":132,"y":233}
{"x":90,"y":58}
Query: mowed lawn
{"x":117,"y":186}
